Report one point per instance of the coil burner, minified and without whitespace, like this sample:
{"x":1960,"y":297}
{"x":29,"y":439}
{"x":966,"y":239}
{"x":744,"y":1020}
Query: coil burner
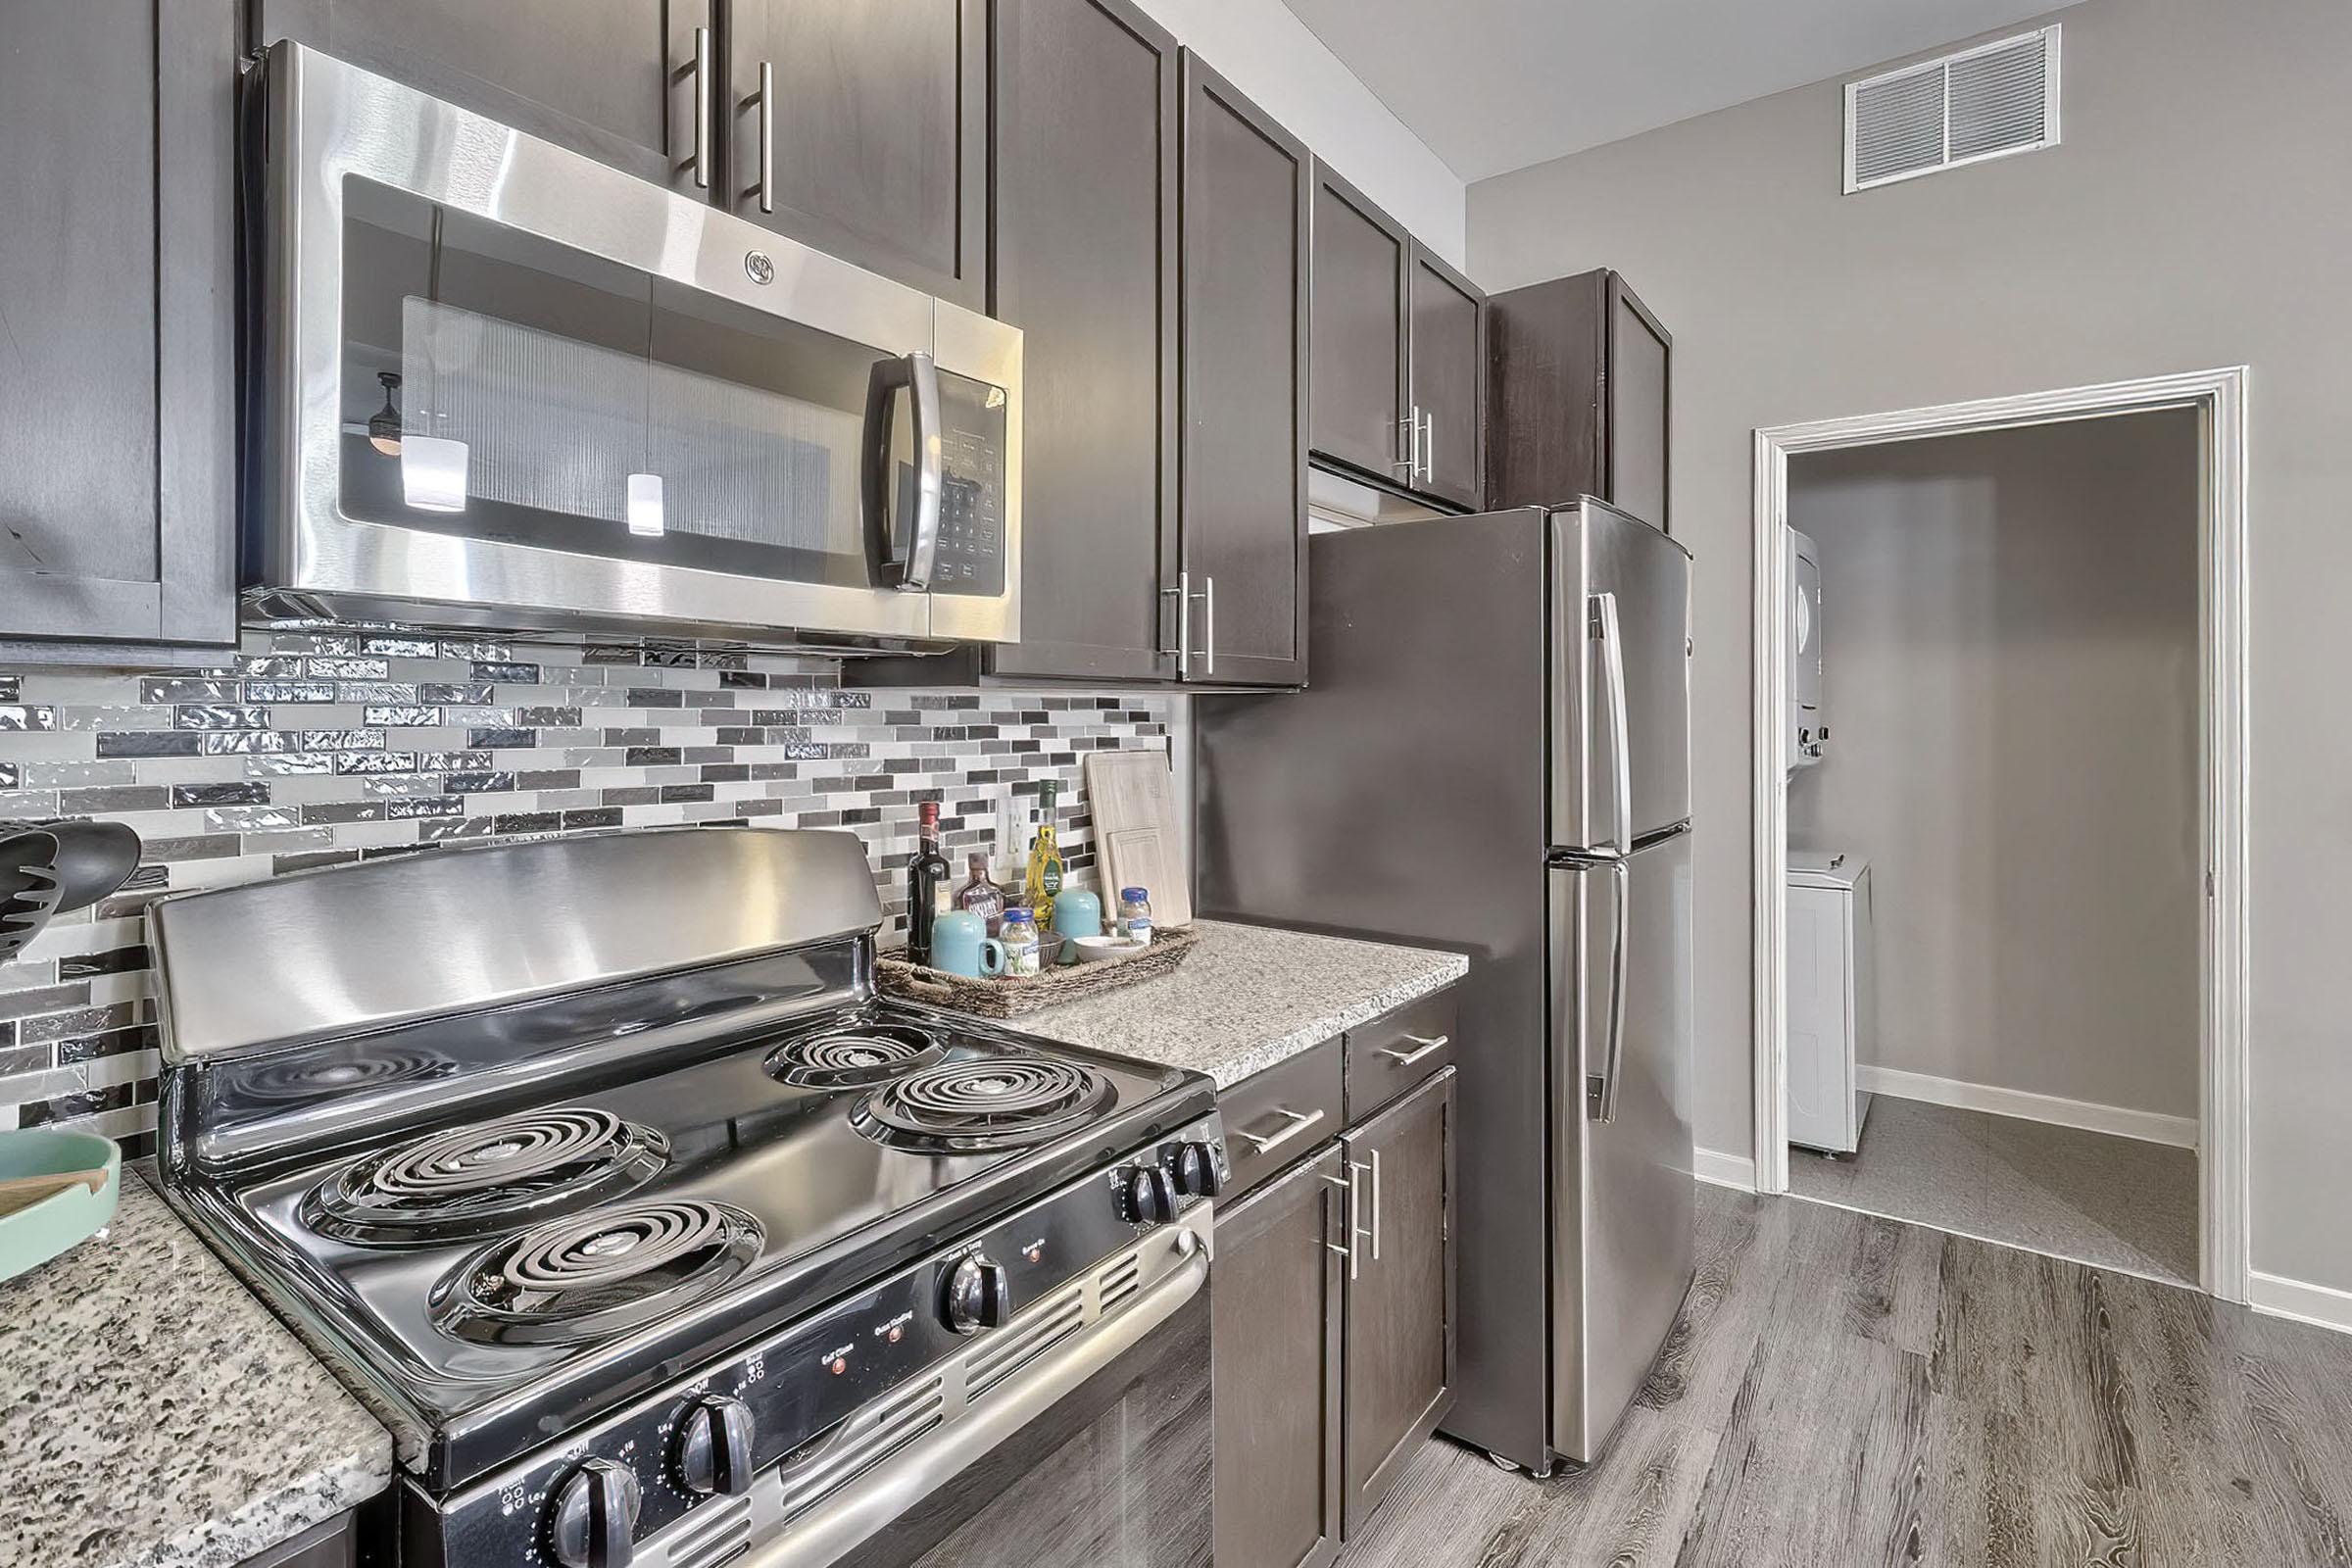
{"x":597,"y":1274}
{"x":855,"y":1055}
{"x":485,"y":1177}
{"x":982,"y":1105}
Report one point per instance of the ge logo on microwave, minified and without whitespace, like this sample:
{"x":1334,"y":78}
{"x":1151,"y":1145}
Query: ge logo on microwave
{"x":760,"y":267}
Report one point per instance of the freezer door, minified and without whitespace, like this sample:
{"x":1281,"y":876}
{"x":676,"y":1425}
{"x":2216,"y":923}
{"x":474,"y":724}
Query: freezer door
{"x":1620,"y":669}
{"x":1622,"y":1068}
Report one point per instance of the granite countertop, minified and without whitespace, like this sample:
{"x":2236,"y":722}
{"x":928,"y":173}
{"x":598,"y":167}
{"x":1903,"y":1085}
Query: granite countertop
{"x":1248,"y":997}
{"x":153,"y":1414}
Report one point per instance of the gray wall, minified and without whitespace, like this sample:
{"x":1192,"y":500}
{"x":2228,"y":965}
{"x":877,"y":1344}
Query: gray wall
{"x":2011,"y":665}
{"x":2197,"y":214}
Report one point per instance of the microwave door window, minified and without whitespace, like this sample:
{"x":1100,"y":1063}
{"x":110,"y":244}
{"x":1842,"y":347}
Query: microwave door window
{"x":498,"y":386}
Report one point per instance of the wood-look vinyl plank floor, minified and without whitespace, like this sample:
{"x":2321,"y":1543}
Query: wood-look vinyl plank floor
{"x":1843,"y":1389}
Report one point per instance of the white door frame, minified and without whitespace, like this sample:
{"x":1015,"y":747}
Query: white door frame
{"x":2220,"y":399}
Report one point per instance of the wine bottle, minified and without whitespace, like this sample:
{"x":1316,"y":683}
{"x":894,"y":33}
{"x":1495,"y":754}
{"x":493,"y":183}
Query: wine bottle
{"x":926,"y":886}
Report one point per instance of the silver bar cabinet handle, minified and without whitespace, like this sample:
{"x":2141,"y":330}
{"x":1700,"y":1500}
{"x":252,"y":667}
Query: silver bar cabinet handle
{"x":1428,"y":447}
{"x":1184,"y":620}
{"x":1208,"y":613}
{"x":706,"y":130}
{"x":1405,"y":1058}
{"x":1300,"y":1121}
{"x":765,"y":98}
{"x":1376,"y":1206}
{"x":1410,"y":431}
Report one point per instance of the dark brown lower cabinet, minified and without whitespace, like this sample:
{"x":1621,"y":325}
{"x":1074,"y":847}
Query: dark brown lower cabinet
{"x":1274,"y":1366}
{"x":1398,"y":1341}
{"x":1333,"y":1353}
{"x":329,"y":1544}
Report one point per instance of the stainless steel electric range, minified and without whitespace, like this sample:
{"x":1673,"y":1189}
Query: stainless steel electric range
{"x":600,"y":1172}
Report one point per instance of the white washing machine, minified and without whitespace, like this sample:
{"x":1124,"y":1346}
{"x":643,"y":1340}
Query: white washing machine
{"x":1808,"y":713}
{"x":1831,"y":999}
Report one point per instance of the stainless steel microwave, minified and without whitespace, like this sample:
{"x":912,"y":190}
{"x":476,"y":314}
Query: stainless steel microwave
{"x":501,"y":385}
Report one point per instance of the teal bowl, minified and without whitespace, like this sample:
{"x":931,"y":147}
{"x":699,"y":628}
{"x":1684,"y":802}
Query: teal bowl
{"x":33,"y":1232}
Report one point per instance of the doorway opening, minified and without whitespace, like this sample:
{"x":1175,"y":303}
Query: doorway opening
{"x":2014,"y":743}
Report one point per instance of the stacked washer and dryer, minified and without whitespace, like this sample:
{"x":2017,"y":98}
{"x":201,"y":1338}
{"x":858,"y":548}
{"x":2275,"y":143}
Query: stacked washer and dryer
{"x":1831,"y":994}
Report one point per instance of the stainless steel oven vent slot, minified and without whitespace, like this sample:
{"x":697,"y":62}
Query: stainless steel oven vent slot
{"x":865,"y":1441}
{"x":1122,"y":1279}
{"x":716,"y":1532}
{"x":1052,"y":1322}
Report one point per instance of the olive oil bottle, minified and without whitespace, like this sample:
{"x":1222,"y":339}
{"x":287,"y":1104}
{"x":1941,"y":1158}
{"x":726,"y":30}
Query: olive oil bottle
{"x":1043,"y":883}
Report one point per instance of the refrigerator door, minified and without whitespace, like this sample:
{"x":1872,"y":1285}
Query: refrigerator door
{"x":1620,"y":678}
{"x":1623,"y":1209}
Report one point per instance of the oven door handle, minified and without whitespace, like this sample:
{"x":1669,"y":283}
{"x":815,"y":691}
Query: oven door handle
{"x":910,"y":551}
{"x":838,"y":1522}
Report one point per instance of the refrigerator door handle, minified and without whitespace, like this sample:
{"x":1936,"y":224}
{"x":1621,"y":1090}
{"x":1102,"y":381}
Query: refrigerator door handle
{"x":1606,"y":632}
{"x":1605,"y":1108}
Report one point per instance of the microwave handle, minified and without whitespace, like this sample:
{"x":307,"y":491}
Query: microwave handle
{"x":915,"y":551}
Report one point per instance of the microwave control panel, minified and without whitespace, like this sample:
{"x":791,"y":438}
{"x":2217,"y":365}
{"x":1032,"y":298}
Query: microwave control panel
{"x":971,"y":493}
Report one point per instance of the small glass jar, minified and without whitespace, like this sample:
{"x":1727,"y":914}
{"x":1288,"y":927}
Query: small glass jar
{"x":1019,"y":936}
{"x":1134,"y":915}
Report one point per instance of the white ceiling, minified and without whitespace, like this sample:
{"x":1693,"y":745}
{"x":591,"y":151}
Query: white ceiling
{"x":1494,"y":85}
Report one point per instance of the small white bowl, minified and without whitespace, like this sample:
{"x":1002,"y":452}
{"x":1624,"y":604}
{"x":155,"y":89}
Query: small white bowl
{"x":1107,"y":948}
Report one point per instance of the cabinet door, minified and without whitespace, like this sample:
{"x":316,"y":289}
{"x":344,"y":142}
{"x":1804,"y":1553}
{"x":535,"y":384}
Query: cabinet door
{"x":1358,"y":411}
{"x":1085,"y":267}
{"x":116,"y":416}
{"x":1400,"y":1350}
{"x":612,"y":78}
{"x":1245,"y":194}
{"x":875,"y":134}
{"x":1449,"y":375}
{"x":1274,"y":1371}
{"x":1639,"y":395}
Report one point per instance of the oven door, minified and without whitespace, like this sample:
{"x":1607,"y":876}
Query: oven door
{"x":506,"y":386}
{"x":1096,"y":1454}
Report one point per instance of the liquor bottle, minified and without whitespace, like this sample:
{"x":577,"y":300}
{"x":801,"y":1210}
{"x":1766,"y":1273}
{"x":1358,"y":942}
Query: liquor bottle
{"x":1043,"y":880}
{"x":980,"y":895}
{"x":926,"y":886}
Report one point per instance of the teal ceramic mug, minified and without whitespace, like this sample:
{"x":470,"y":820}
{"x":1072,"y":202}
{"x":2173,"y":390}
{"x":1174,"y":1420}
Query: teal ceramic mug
{"x":1076,"y":914}
{"x":960,"y":944}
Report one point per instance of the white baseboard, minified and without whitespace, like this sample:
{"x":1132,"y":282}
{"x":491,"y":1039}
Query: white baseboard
{"x":2328,"y":1307}
{"x":1725,"y":1171}
{"x":2147,"y":1126}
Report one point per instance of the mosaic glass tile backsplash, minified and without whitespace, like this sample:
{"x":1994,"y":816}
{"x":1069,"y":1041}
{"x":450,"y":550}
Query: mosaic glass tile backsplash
{"x":312,"y":749}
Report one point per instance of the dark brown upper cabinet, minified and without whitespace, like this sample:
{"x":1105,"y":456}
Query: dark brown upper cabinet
{"x":620,"y":81}
{"x":1358,"y":398}
{"x":1580,"y":388}
{"x":1446,"y":378}
{"x":1086,"y":260}
{"x":1246,"y":197}
{"x":861,"y":128}
{"x":117,"y":426}
{"x":1397,"y":374}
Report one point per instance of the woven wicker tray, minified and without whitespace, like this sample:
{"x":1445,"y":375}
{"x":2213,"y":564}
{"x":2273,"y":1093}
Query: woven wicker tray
{"x":1009,"y":996}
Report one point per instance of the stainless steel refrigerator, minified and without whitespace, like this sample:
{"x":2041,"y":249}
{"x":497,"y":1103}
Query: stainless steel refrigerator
{"x":1493,"y":757}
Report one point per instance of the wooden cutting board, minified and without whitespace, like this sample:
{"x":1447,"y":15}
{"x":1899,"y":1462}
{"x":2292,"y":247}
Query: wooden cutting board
{"x":1133,"y":799}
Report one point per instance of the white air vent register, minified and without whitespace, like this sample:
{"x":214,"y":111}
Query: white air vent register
{"x":1986,"y":102}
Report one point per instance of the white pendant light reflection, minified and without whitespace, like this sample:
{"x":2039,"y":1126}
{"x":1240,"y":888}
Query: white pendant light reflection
{"x":645,"y":505}
{"x":432,"y":472}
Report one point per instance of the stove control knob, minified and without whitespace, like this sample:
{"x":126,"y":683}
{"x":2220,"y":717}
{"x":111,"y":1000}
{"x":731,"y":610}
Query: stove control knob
{"x":1145,"y":1196}
{"x":1197,"y":1173}
{"x":979,"y":1295}
{"x":715,"y":1446}
{"x":595,"y":1516}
